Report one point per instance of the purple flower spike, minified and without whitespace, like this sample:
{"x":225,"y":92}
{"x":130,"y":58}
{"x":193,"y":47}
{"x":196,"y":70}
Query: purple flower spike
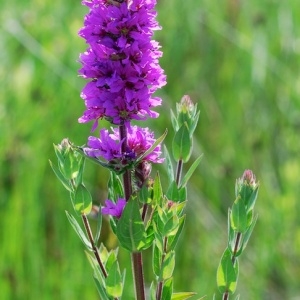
{"x":114,"y":209}
{"x":121,"y":62}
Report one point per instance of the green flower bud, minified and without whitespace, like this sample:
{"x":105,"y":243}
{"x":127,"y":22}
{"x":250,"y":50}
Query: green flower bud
{"x":187,"y":114}
{"x":70,"y":162}
{"x":247,"y":188}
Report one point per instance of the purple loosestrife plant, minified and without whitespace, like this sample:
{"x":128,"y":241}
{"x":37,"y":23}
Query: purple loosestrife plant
{"x":121,"y":62}
{"x":122,"y":71}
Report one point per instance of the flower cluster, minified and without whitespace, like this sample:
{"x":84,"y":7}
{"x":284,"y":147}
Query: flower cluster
{"x":108,"y":146}
{"x":121,"y":61}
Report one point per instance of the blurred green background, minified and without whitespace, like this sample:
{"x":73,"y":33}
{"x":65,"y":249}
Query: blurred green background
{"x":239,"y":60}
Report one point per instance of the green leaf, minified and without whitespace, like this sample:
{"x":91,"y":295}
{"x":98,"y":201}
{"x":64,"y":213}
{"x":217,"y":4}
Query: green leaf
{"x":171,"y":226}
{"x":182,"y":144}
{"x":182,"y":194}
{"x":101,"y":290}
{"x":96,"y":160}
{"x":248,"y":233}
{"x":194,"y":123}
{"x":152,"y":291}
{"x":191,"y":170}
{"x":130,"y":227}
{"x":111,"y":258}
{"x":168,"y":265}
{"x":227,"y":274}
{"x":172,"y":240}
{"x":252,"y":199}
{"x":115,"y":187}
{"x":157,"y":142}
{"x":114,"y":281}
{"x":170,"y":170}
{"x":238,"y":216}
{"x":79,"y":177}
{"x":143,"y":195}
{"x":156,"y":260}
{"x":231,"y":234}
{"x":97,"y":271}
{"x":174,"y":121}
{"x":182,"y":295}
{"x":60,"y":176}
{"x":82,"y":200}
{"x":79,"y":231}
{"x":167,"y":290}
{"x":99,"y":226}
{"x":172,"y":192}
{"x":157,"y":191}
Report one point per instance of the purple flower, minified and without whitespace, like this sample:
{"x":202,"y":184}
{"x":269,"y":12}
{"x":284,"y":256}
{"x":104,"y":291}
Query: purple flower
{"x":108,"y":146}
{"x":114,"y":209}
{"x":121,"y":62}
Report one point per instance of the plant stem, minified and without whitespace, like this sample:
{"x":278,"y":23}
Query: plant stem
{"x":179,"y":171}
{"x":137,"y":266}
{"x":236,"y":247}
{"x":226,"y":296}
{"x":136,"y":257}
{"x":95,"y":249}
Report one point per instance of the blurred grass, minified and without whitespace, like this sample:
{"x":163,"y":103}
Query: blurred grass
{"x":239,"y":60}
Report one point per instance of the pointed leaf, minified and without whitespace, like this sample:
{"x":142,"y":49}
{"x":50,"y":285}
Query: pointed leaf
{"x":114,"y":281}
{"x":168,"y":265}
{"x":170,"y":170}
{"x":60,"y":176}
{"x":183,"y":295}
{"x":173,"y":192}
{"x":78,"y":230}
{"x":130,"y":227}
{"x":226,"y":274}
{"x":156,"y":260}
{"x":115,"y":187}
{"x":101,"y":290}
{"x":248,"y":233}
{"x":191,"y":170}
{"x":157,"y":142}
{"x":167,"y":290}
{"x":152,"y":291}
{"x":99,"y":226}
{"x":238,"y":216}
{"x":171,"y":226}
{"x":182,"y":144}
{"x":97,"y":272}
{"x":82,"y":200}
{"x":157,"y":191}
{"x":174,"y":121}
{"x":172,"y":240}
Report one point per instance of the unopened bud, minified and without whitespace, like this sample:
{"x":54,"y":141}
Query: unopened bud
{"x":249,"y":178}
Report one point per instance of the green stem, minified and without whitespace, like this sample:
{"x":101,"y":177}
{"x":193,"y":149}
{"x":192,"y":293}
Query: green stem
{"x":136,"y":257}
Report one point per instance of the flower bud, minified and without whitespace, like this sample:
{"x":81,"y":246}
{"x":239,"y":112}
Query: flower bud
{"x":142,"y":173}
{"x":186,"y":114}
{"x":70,"y":162}
{"x":247,"y":188}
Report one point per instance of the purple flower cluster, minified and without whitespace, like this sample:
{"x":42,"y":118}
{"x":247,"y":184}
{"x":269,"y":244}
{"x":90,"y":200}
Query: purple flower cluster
{"x":108,"y":146}
{"x":121,"y":62}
